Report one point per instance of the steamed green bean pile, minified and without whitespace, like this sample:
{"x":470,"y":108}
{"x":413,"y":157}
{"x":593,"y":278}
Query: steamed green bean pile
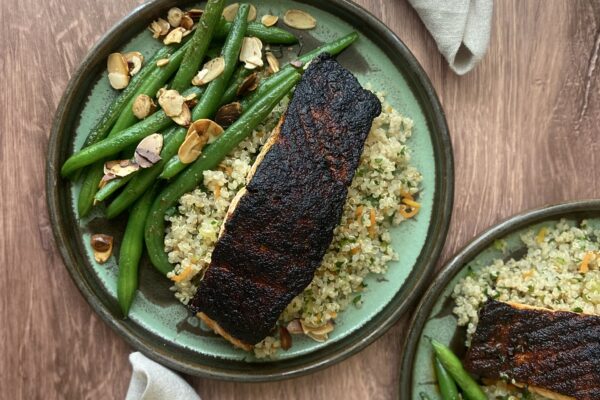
{"x":131,"y":159}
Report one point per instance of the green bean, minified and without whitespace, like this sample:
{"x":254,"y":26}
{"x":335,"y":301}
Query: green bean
{"x":88,"y":189}
{"x":198,"y":44}
{"x":112,"y":186}
{"x":111,"y":146}
{"x":210,"y":101}
{"x":238,"y":78}
{"x":272,"y":35}
{"x":447,"y":385}
{"x":210,"y":158}
{"x":144,"y":179}
{"x":131,"y":251}
{"x":452,"y":364}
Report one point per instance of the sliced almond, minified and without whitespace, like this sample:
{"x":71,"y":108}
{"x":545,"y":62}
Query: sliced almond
{"x":134,"y":60}
{"x":299,"y":19}
{"x":317,"y":333}
{"x":174,"y":36}
{"x":159,"y":28}
{"x":248,"y":85}
{"x":171,"y":102}
{"x":191,"y":100}
{"x":185,"y":117}
{"x":162,"y":62}
{"x":231,"y":10}
{"x":174,"y":17}
{"x":228,"y":114}
{"x":187,"y":22}
{"x":273,"y":62}
{"x":118,"y":71}
{"x":295,"y":327}
{"x":195,"y":13}
{"x":117,"y":80}
{"x":143,"y":106}
{"x":147,"y":152}
{"x":251,"y":53}
{"x":120,"y":168}
{"x":285,"y":338}
{"x":210,"y":71}
{"x":200,"y":133}
{"x":269,"y":20}
{"x":102,"y":246}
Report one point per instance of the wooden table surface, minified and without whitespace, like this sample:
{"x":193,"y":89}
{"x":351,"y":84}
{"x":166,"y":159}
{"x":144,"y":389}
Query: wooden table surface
{"x":524,"y":125}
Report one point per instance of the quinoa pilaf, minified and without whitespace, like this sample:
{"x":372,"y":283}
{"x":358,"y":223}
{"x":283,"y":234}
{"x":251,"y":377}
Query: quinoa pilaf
{"x":383,"y":194}
{"x":560,"y":271}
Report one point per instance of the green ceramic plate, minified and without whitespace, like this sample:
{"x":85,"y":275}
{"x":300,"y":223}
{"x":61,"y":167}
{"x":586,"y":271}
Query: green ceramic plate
{"x":162,"y":328}
{"x":434,"y":318}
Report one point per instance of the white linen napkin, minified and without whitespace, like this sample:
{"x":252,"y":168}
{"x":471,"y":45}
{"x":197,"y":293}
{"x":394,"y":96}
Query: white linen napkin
{"x":152,"y":381}
{"x":461,"y":29}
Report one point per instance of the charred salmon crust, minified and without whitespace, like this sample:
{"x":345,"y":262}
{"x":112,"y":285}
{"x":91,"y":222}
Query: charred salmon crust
{"x":277,"y":235}
{"x":553,"y":350}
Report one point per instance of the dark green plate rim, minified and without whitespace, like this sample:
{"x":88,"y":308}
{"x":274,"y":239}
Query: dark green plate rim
{"x":172,"y":356}
{"x":574,"y":209}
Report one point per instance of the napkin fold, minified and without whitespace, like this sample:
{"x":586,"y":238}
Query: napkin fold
{"x":461,"y":29}
{"x":152,"y":381}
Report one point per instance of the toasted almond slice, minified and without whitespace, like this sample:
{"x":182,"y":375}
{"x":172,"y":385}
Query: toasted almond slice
{"x":174,"y":36}
{"x":251,"y":53}
{"x":171,"y":102}
{"x":118,"y":80}
{"x":273,"y":62}
{"x":159,"y":28}
{"x":102,"y":246}
{"x":174,"y":17}
{"x":195,"y":13}
{"x":285,"y":338}
{"x":187,"y":22}
{"x":295,"y":327}
{"x":249,"y":84}
{"x":210,"y":71}
{"x":118,"y":71}
{"x":269,"y":20}
{"x":143,"y":106}
{"x":228,"y":114}
{"x":200,"y":133}
{"x":134,"y":60}
{"x":299,"y":19}
{"x":231,"y":10}
{"x":162,"y":62}
{"x":147,"y":152}
{"x":185,"y":117}
{"x":120,"y":168}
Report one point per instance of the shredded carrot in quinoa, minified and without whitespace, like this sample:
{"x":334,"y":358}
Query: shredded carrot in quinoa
{"x":218,"y":192}
{"x":359,"y":211}
{"x":584,"y":267}
{"x":183,"y":275}
{"x":372,"y":231}
{"x":541,"y":235}
{"x":409,"y":208}
{"x":355,"y":250}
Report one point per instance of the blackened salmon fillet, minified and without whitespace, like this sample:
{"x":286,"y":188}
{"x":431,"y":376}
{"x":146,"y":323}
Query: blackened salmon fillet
{"x":554,"y":353}
{"x":279,"y":227}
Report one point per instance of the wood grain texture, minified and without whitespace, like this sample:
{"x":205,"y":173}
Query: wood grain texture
{"x":524,"y":125}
